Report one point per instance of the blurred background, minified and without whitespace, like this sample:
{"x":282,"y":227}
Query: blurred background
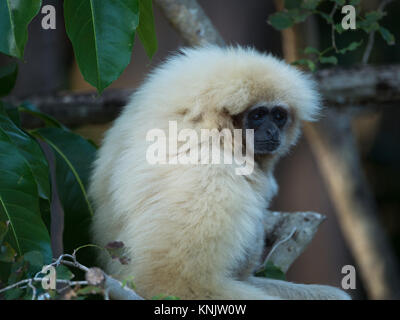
{"x":50,"y":66}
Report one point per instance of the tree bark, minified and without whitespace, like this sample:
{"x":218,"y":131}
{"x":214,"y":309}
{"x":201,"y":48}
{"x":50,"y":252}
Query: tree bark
{"x":189,"y":20}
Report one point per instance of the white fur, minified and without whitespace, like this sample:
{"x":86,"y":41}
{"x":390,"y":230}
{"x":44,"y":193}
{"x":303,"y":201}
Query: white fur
{"x":195,"y":231}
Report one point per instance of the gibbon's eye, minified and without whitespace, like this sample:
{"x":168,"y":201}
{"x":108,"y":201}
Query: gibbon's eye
{"x":279,"y":116}
{"x":258,"y":114}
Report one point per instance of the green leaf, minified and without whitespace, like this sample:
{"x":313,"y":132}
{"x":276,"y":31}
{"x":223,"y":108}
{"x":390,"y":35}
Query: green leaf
{"x":30,"y":150}
{"x":367,"y":26}
{"x":387,"y":35}
{"x":13,"y":113}
{"x":3,"y":230}
{"x":8,"y":75}
{"x":24,"y":178}
{"x":102,"y":35}
{"x":373,"y":16}
{"x":340,"y":2}
{"x":339,"y":28}
{"x":13,"y":294}
{"x":74,"y":156}
{"x":35,"y":262}
{"x":18,"y":270}
{"x":280,"y":20}
{"x":14,"y":19}
{"x":310,"y":4}
{"x":311,"y":50}
{"x":271,"y":271}
{"x":48,"y":120}
{"x":89,"y":290}
{"x":305,"y":62}
{"x":330,"y":59}
{"x":292,"y":4}
{"x":370,"y":21}
{"x":327,"y":17}
{"x":63,"y":273}
{"x":129,"y":282}
{"x":351,"y":47}
{"x":354,"y":2}
{"x":146,"y":29}
{"x":298,"y":15}
{"x":7,"y":253}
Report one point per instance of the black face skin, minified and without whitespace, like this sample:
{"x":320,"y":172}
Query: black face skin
{"x":268,"y":124}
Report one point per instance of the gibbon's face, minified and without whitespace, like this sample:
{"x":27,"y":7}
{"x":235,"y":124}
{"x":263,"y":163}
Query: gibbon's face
{"x":234,"y":88}
{"x":269,"y":122}
{"x":274,"y":126}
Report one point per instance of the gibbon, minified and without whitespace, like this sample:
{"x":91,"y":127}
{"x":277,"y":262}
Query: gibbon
{"x":195,"y":231}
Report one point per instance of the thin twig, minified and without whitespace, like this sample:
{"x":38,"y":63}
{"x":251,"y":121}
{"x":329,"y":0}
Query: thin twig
{"x":333,"y":26}
{"x":112,"y":287}
{"x":276,"y":245}
{"x":33,"y":289}
{"x":371,"y":38}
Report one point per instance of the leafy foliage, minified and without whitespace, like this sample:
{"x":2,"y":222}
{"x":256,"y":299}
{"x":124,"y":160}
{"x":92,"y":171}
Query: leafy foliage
{"x":102,"y":34}
{"x":74,"y":156}
{"x":296,"y":11}
{"x":25,"y":192}
{"x":14,"y":19}
{"x":24,"y":179}
{"x":8,"y":75}
{"x":146,"y":29}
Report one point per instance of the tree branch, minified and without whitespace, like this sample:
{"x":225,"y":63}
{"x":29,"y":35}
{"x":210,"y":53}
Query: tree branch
{"x":362,"y":87}
{"x":190,"y":21}
{"x":359,"y":87}
{"x":288,"y":234}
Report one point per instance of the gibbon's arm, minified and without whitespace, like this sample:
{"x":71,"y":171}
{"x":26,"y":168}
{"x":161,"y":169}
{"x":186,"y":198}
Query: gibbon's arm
{"x":293,"y":291}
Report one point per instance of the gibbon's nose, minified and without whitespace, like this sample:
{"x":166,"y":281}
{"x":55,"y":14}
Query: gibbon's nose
{"x":272,"y":134}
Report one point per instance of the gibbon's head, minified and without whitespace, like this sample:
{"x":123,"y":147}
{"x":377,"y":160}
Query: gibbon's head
{"x":235,"y":87}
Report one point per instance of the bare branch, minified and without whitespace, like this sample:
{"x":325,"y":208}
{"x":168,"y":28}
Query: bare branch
{"x":74,"y":109}
{"x":190,"y":21}
{"x":117,"y":291}
{"x":282,"y":249}
{"x":360,"y":87}
{"x":113,"y":288}
{"x":33,"y":289}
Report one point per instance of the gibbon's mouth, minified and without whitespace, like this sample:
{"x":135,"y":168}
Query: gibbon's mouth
{"x":266,"y":146}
